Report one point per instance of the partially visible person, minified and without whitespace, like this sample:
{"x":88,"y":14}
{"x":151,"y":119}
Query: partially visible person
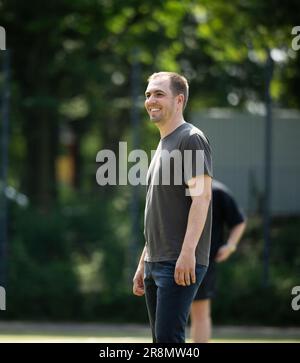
{"x":226,"y":213}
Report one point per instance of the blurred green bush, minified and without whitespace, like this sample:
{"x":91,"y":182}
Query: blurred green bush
{"x":73,"y":263}
{"x":242,"y":296}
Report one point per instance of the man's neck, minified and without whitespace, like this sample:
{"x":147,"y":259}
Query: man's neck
{"x":170,"y":126}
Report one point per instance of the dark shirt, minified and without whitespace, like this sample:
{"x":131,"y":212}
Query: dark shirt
{"x":226,"y":213}
{"x":167,"y":206}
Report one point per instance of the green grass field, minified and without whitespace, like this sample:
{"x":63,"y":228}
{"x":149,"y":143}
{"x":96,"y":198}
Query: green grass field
{"x":113,"y":333}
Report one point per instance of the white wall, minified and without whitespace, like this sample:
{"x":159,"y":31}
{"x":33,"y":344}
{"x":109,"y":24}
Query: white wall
{"x":237,"y":141}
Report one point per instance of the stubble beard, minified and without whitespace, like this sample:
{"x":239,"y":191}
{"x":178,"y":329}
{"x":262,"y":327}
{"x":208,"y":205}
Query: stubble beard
{"x":155,"y":120}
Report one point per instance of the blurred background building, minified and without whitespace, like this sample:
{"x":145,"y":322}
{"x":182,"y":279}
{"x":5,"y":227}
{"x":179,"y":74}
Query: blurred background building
{"x":237,"y":139}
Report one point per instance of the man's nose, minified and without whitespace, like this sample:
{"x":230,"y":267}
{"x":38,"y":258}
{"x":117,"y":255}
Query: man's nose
{"x":151,"y":99}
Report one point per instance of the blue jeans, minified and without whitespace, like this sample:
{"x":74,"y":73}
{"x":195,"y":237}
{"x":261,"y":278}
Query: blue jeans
{"x":168,"y":304}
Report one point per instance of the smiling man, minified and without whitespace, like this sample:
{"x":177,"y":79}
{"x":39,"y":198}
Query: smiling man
{"x":177,"y":224}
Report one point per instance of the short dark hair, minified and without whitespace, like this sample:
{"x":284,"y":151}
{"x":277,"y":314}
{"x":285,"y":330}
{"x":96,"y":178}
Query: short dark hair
{"x":178,"y":84}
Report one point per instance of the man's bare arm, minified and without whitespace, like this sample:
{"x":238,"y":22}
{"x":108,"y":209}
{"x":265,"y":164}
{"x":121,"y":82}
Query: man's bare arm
{"x":186,"y":263}
{"x":234,"y":237}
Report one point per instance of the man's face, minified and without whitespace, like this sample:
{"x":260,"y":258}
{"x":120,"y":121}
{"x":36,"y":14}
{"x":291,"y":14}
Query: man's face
{"x":160,"y":102}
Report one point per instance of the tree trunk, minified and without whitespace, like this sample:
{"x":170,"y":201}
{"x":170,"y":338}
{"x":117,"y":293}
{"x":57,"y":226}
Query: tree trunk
{"x":41,"y":135}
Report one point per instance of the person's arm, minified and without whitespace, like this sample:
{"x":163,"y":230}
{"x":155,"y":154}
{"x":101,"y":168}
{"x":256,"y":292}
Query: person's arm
{"x":234,"y":237}
{"x":138,"y":280}
{"x":185,"y":267}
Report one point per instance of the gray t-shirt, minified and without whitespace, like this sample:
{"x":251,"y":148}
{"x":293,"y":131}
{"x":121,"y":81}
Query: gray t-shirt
{"x":167,"y":206}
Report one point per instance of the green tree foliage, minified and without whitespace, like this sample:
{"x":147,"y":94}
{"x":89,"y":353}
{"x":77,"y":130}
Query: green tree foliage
{"x":71,"y":65}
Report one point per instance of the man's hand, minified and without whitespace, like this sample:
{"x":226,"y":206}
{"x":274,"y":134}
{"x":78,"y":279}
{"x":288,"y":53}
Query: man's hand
{"x":184,"y":273}
{"x":224,"y":252}
{"x":138,"y":282}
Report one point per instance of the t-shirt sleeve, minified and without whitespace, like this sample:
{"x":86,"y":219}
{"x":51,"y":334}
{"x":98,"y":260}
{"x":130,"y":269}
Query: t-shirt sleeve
{"x":197,"y":158}
{"x":233,"y":215}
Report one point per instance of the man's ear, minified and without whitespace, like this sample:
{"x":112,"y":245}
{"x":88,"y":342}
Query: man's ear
{"x":181,"y":99}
